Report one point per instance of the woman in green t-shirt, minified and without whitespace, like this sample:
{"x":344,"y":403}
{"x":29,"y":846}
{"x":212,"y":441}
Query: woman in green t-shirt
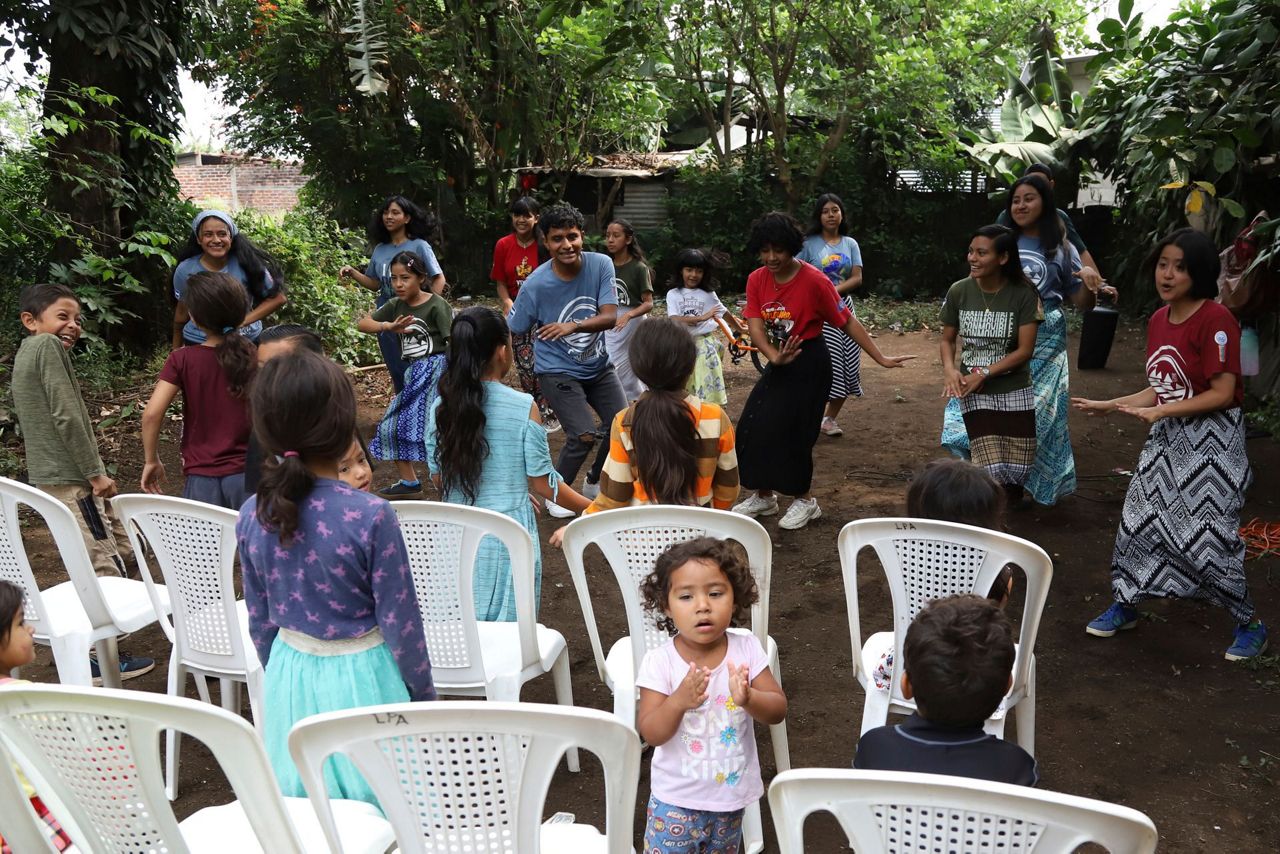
{"x":995,"y":312}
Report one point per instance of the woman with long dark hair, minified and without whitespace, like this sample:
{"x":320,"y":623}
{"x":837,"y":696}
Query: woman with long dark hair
{"x":1052,"y":264}
{"x":996,"y":311}
{"x":829,"y":247}
{"x":215,"y":245}
{"x":486,"y":447}
{"x":398,"y":225}
{"x":213,"y":378}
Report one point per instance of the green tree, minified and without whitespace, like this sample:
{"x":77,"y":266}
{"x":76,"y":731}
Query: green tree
{"x":1185,"y":117}
{"x":110,"y":107}
{"x":439,"y":99}
{"x":896,"y":78}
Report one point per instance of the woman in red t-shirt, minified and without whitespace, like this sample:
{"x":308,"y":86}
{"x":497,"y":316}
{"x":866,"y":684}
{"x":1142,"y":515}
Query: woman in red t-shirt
{"x":514,"y":258}
{"x":787,"y":303}
{"x":1180,"y":531}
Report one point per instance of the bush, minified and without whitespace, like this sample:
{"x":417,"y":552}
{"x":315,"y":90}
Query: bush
{"x":311,"y":248}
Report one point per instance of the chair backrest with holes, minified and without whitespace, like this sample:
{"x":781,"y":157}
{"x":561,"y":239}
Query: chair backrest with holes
{"x":884,"y":812}
{"x":631,"y":539}
{"x":925,"y":560}
{"x":442,"y":540}
{"x":99,"y":750}
{"x":15,"y":567}
{"x":468,"y":776}
{"x":195,"y":547}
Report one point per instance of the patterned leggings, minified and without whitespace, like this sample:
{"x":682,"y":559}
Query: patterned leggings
{"x":523,"y":346}
{"x":671,"y":828}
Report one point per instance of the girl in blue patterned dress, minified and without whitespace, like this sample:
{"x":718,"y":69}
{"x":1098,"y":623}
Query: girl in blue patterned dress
{"x":421,"y":319}
{"x":486,"y":447}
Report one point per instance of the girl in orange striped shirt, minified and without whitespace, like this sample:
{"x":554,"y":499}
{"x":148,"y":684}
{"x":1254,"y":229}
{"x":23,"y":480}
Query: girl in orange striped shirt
{"x":668,"y":447}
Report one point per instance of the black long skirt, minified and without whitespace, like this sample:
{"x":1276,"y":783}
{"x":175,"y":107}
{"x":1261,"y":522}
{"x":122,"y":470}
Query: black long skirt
{"x":780,"y":422}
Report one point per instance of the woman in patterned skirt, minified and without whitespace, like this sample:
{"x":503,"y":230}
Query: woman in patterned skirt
{"x":1180,"y":530}
{"x":1053,"y":266}
{"x":996,"y":311}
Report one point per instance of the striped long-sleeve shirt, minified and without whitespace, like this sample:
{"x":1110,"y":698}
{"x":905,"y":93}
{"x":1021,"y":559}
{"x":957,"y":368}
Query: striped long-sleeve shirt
{"x":717,"y":484}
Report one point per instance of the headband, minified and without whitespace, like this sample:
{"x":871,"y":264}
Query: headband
{"x":222,"y":215}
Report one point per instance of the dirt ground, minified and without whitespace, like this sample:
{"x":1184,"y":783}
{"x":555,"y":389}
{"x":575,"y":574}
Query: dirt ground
{"x":1154,"y":719}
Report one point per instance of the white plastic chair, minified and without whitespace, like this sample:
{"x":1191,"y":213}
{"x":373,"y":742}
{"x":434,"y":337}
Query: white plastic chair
{"x":473,"y":776}
{"x":85,"y":612}
{"x":886,"y":812}
{"x":98,"y":755}
{"x":469,"y":657}
{"x":926,"y":560}
{"x":195,"y":547}
{"x":631,"y":539}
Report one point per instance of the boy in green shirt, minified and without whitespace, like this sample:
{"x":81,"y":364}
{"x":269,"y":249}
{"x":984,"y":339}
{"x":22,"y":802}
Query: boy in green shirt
{"x":61,"y":449}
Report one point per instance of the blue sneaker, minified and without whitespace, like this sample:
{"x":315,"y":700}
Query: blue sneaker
{"x":1248,"y":642}
{"x":131,"y":666}
{"x":1116,"y":618}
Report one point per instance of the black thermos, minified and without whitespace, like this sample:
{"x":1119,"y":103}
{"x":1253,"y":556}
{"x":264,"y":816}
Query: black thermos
{"x":1097,"y":334}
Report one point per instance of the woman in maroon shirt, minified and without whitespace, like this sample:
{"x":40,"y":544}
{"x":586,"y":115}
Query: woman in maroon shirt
{"x":1180,"y":530}
{"x":787,"y":303}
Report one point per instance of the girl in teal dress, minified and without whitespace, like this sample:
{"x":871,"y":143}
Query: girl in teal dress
{"x":486,"y":447}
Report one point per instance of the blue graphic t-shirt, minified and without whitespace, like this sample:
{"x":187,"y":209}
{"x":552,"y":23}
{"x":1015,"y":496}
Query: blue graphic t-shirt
{"x":379,"y":267}
{"x":1052,"y":277}
{"x":836,"y":260}
{"x":546,"y":298}
{"x":193,"y":334}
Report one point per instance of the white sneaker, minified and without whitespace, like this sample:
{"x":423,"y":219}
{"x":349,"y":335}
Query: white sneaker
{"x":590,"y":490}
{"x":558,"y":512}
{"x":754,"y":505}
{"x":831,"y":428}
{"x":800,"y":513}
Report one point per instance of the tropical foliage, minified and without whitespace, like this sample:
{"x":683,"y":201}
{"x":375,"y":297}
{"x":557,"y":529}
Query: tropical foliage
{"x":1186,"y":116}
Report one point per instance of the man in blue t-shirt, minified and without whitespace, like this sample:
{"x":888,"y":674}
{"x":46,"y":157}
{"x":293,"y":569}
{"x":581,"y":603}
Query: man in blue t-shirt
{"x":569,"y":302}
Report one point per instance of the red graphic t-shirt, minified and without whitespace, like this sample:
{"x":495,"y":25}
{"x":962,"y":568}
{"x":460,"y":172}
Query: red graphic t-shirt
{"x":1183,"y":357}
{"x":512,"y":263}
{"x":798,"y":308}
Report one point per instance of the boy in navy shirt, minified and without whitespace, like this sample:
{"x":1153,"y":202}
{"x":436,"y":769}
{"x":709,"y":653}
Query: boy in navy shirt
{"x":958,"y":658}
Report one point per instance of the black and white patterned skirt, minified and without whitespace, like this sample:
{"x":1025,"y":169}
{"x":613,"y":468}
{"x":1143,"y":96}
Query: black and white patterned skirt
{"x":1180,"y":530}
{"x":846,"y":361}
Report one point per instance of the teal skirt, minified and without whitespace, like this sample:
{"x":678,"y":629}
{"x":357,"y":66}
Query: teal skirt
{"x":299,"y":684}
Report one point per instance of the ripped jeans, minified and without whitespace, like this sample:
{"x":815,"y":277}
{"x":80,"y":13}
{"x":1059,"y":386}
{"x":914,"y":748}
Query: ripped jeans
{"x":573,"y":400}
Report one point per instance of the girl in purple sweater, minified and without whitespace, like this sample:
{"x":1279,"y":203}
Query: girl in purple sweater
{"x":331,"y":602}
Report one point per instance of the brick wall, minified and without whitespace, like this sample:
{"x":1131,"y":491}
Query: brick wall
{"x":266,"y":186}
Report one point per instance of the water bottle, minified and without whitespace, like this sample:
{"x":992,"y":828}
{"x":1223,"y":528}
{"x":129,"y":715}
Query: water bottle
{"x":1097,"y":334}
{"x":1249,"y":351}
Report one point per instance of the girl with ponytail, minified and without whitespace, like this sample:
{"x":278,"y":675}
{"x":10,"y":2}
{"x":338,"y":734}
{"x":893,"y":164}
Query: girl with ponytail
{"x":486,"y":447}
{"x":331,"y":604}
{"x":213,"y":377}
{"x":668,"y":447}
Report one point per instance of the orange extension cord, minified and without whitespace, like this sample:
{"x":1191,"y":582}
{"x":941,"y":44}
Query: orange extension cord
{"x":1260,"y":538}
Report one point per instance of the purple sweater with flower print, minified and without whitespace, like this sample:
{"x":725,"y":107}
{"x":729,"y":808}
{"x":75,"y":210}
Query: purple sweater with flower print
{"x":345,"y":574}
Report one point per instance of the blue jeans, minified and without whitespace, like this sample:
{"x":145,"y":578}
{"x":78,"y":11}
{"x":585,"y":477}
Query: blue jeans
{"x":389,"y":346}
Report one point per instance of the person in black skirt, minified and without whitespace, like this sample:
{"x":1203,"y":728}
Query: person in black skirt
{"x":787,"y":302}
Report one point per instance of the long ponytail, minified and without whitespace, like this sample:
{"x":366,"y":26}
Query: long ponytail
{"x":461,"y":447}
{"x":303,"y":409}
{"x":664,"y":433}
{"x":218,"y":303}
